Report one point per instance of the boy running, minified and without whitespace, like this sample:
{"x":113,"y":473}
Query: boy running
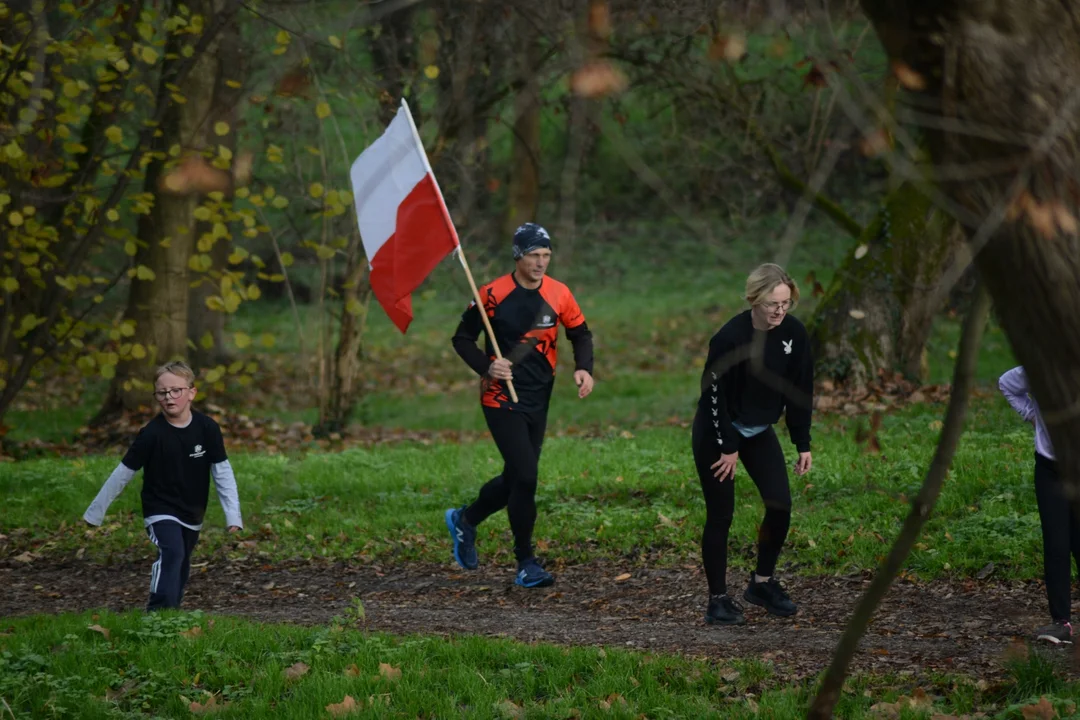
{"x":179,"y":450}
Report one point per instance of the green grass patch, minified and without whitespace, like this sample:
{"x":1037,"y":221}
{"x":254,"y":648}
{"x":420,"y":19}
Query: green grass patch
{"x":626,"y":494}
{"x":173,"y":664}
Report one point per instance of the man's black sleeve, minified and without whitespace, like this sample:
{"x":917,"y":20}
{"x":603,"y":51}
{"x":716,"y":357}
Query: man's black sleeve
{"x":468,"y":330}
{"x":580,"y":338}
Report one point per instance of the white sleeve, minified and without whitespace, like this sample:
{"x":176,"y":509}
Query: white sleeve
{"x":121,"y":476}
{"x":225,"y":483}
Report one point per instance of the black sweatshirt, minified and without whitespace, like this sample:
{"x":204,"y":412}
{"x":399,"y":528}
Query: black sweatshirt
{"x":736,"y":388}
{"x":526,"y":325}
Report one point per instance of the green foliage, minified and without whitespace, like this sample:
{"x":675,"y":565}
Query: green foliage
{"x":61,"y":667}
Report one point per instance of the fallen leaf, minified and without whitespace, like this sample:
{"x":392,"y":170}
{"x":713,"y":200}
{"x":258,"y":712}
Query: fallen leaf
{"x":622,"y":578}
{"x":389,"y":672}
{"x":194,"y":632}
{"x":98,"y":628}
{"x":508,"y":709}
{"x":211,"y":705}
{"x":665,"y":520}
{"x":907,"y":76}
{"x":875,"y":144}
{"x":295,"y":671}
{"x":1042,"y":710}
{"x":857,"y":314}
{"x":26,"y":557}
{"x":729,"y":47}
{"x":343,"y":708}
{"x":352,"y":671}
{"x":860,"y":252}
{"x":598,"y":79}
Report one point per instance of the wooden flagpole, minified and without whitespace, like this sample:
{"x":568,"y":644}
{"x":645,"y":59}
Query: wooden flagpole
{"x":460,"y":252}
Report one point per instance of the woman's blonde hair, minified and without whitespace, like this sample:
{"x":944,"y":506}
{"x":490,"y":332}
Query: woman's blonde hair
{"x":764,"y":279}
{"x":179,"y":369}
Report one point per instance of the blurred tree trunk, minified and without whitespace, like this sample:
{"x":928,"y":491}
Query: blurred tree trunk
{"x":158,"y":305}
{"x":524,"y":184}
{"x":1002,"y":78}
{"x":206,"y":327}
{"x":876,"y":316}
{"x":394,"y":55}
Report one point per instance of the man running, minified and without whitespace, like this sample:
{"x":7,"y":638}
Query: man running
{"x":525,"y":309}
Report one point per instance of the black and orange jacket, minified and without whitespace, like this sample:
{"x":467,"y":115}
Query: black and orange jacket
{"x":526,"y":325}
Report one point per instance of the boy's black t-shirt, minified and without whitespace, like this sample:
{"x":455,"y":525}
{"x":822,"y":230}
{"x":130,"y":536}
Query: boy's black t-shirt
{"x":176,"y":466}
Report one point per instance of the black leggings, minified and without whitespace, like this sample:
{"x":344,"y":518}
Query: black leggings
{"x":1061,"y":536}
{"x":764,"y":462}
{"x":519,"y":437}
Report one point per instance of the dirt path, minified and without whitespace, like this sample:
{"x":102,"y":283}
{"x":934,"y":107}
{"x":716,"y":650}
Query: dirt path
{"x":948,"y":626}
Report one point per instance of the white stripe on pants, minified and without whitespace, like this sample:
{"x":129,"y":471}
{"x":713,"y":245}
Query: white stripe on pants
{"x":155,"y":570}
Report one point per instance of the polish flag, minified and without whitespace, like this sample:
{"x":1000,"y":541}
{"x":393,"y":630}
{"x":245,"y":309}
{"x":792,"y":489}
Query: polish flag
{"x":404,"y":223}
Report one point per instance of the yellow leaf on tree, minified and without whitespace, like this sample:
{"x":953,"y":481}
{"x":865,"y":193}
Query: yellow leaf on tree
{"x":242,"y":340}
{"x":280,"y":202}
{"x":325,"y":252}
{"x":130,"y":248}
{"x":233,"y":84}
{"x":253,"y":292}
{"x":71,"y":89}
{"x":15,"y":219}
{"x":221,"y":128}
{"x":149,"y":55}
{"x":286,"y":259}
{"x":202,"y":213}
{"x":431,"y":72}
{"x":108,"y":371}
{"x":267,"y":340}
{"x":138,"y":351}
{"x":322,"y":110}
{"x":144,"y":273}
{"x":112,"y":215}
{"x":114,"y":134}
{"x":10,"y":284}
{"x":354,"y":307}
{"x":282,"y":37}
{"x":316,"y":190}
{"x":335,"y":41}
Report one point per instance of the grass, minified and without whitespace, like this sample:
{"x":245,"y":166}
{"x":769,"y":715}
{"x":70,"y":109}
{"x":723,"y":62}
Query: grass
{"x":624,"y":494}
{"x":160,"y":665}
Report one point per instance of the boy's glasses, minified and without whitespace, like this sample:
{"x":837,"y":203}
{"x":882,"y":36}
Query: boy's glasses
{"x":170,"y":393}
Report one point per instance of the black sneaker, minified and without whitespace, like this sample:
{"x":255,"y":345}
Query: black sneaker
{"x":723,"y":610}
{"x":770,"y":596}
{"x":1058,"y":632}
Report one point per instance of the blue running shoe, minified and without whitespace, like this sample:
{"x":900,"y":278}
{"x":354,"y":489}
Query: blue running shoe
{"x":463,"y":535}
{"x":531,"y":575}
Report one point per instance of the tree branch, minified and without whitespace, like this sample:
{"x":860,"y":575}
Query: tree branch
{"x":921,"y":507}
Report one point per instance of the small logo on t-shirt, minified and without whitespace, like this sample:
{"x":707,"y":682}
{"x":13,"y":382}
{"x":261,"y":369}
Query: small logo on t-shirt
{"x":199,"y":452}
{"x":546,"y":322}
{"x":787,"y":346}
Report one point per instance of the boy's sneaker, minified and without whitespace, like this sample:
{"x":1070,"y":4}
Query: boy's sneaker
{"x":463,"y":535}
{"x":1057,"y":632}
{"x":531,"y":575}
{"x":723,"y":610}
{"x":770,"y":596}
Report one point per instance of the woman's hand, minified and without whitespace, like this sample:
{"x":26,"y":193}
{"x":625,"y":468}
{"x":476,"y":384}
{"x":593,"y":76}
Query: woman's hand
{"x":725,"y":466}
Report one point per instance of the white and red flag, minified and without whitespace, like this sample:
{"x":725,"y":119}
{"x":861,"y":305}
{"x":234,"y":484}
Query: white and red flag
{"x":404,"y":224}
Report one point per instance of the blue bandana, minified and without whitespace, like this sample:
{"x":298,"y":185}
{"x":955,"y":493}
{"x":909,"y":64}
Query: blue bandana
{"x":529,"y":237}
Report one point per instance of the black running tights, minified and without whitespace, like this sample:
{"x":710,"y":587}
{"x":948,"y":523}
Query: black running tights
{"x":1061,"y":536}
{"x":763,"y":460}
{"x":519,"y":437}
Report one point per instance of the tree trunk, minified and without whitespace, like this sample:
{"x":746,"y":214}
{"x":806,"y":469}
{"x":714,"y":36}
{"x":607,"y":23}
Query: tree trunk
{"x":158,"y":306}
{"x":524,"y":191}
{"x":344,"y":370}
{"x":393,"y":54}
{"x":206,"y":327}
{"x":1003,"y":79}
{"x":878,"y":312}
